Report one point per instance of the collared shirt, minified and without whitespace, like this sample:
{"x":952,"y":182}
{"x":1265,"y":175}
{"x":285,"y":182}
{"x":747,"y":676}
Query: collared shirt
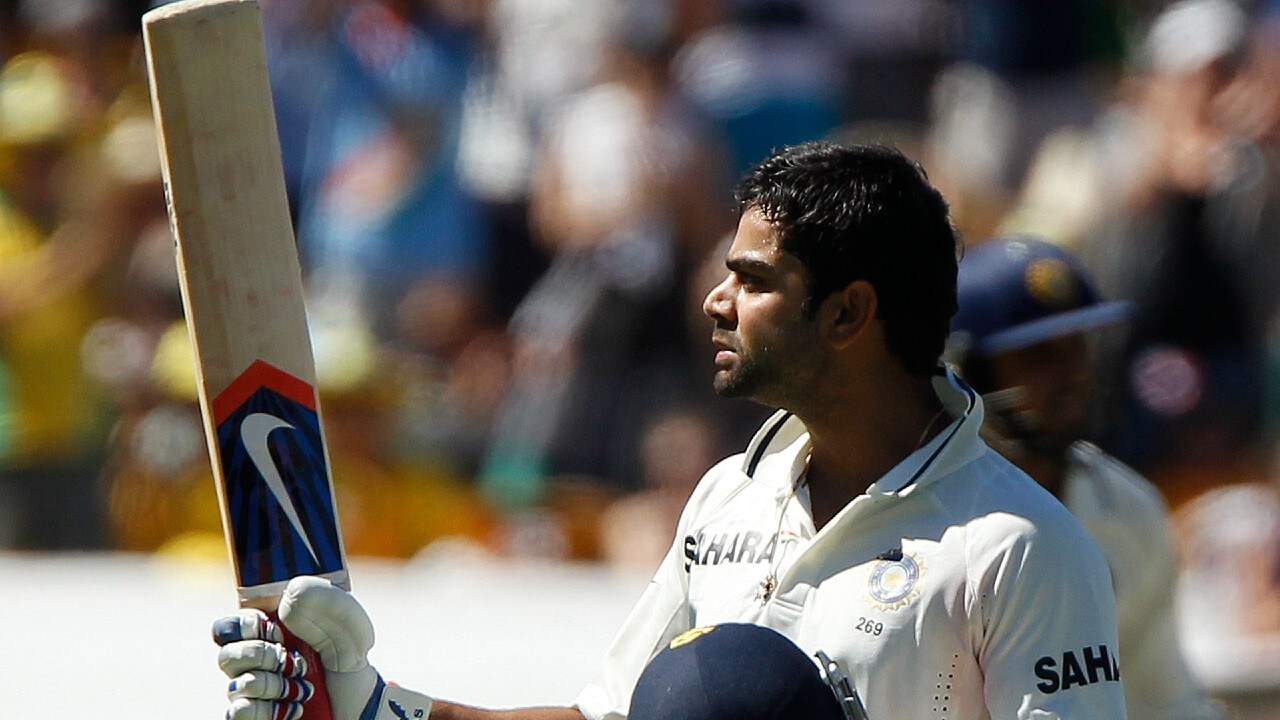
{"x":954,"y":588}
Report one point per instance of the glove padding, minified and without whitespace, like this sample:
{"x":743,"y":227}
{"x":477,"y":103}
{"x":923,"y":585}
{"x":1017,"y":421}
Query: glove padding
{"x":266,"y":677}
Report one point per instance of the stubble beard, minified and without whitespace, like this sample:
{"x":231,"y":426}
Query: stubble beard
{"x":773,"y":372}
{"x":739,"y":381}
{"x":770,"y":376}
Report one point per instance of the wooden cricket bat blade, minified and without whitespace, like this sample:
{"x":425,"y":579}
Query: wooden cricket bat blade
{"x":243,"y":299}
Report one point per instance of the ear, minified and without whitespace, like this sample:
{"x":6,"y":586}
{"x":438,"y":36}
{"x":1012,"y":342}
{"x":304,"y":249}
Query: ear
{"x":845,"y":314}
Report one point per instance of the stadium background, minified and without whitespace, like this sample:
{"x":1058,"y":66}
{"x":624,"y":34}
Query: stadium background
{"x":508,"y":212}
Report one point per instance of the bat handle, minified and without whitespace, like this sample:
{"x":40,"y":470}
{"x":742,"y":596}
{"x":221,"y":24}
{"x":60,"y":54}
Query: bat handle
{"x":318,"y":707}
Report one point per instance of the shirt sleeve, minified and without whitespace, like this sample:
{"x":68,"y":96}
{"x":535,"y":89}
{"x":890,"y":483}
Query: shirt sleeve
{"x":1044,"y":622}
{"x":1130,"y":520}
{"x":1157,"y":681}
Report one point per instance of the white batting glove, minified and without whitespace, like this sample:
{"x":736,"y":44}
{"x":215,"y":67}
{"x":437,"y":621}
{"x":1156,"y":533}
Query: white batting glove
{"x":266,"y":682}
{"x":266,"y":678}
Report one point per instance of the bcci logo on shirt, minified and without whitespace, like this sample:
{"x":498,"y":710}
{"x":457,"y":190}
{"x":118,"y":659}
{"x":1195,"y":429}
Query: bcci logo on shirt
{"x":894,"y":580}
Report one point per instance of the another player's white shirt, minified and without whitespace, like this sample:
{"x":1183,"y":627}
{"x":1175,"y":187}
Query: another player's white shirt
{"x":955,"y":588}
{"x":1127,"y":517}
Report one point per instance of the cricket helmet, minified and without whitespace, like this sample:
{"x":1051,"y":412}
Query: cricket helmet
{"x":733,"y":671}
{"x":1021,"y":290}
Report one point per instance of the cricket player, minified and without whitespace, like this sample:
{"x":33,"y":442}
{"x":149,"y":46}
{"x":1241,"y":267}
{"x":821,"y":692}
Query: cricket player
{"x":1021,"y":339}
{"x":866,"y":520}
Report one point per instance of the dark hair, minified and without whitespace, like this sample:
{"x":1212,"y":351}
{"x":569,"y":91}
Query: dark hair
{"x":865,"y":213}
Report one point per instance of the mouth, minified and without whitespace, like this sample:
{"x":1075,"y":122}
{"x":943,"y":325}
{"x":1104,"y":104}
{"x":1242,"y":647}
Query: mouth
{"x":725,"y":351}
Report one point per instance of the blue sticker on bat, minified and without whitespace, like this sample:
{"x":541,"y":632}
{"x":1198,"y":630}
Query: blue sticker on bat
{"x":279,"y":498}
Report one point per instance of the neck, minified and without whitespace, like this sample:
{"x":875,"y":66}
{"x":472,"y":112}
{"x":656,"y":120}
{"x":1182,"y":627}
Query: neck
{"x":1043,"y":458}
{"x":1049,"y":471}
{"x":863,"y":436}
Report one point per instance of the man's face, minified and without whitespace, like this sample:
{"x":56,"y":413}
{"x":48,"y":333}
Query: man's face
{"x":766,"y":349}
{"x":1053,"y":377}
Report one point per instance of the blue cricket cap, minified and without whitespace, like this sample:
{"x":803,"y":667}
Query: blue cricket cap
{"x":733,"y":672}
{"x":1018,"y":291}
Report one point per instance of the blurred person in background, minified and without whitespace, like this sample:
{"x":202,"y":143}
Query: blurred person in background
{"x":676,"y":447}
{"x":76,"y":183}
{"x":1171,"y":199}
{"x":1022,"y":70}
{"x":453,"y":358}
{"x":1229,"y":543}
{"x":369,"y":96}
{"x":890,"y":55}
{"x":396,"y":248}
{"x":626,"y":199}
{"x":162,"y":498}
{"x":767,"y":74}
{"x":161,"y":491}
{"x":1021,"y":339}
{"x":396,"y":503}
{"x":537,"y":54}
{"x":109,"y":232}
{"x":1191,"y":238}
{"x":1229,"y":536}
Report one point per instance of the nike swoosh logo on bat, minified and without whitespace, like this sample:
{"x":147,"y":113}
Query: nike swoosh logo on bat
{"x":253,"y":433}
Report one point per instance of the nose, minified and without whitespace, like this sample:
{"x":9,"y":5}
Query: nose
{"x":718,"y":305}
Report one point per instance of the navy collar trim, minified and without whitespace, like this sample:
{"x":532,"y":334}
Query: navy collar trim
{"x":971,"y":398}
{"x":763,"y":446}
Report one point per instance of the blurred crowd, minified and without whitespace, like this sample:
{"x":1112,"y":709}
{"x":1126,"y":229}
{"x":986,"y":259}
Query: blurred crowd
{"x":509,"y":211}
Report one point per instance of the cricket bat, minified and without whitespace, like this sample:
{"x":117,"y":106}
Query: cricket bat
{"x":242,"y":295}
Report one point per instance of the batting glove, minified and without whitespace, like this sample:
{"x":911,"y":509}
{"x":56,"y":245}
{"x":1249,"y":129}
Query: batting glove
{"x":266,"y":677}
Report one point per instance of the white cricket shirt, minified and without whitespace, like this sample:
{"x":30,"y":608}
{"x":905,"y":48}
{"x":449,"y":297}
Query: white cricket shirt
{"x":1129,"y":520}
{"x":955,"y":588}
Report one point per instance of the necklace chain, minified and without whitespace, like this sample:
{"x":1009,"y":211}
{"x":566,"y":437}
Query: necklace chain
{"x":770,"y":582}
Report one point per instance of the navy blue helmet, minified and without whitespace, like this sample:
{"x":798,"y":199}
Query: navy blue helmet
{"x":1018,"y":291}
{"x":733,"y":672}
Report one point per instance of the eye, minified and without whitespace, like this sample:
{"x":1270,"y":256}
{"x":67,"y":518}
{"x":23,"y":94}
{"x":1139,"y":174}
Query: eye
{"x":750,"y":281}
